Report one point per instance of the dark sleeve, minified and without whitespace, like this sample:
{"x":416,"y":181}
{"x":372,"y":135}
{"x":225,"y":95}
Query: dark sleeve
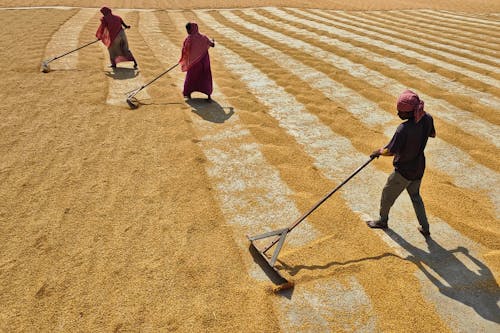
{"x":432,"y":131}
{"x":397,"y":142}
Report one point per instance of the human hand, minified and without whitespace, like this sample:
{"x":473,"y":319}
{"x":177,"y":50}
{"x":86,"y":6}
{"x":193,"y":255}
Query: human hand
{"x":375,"y":154}
{"x":127,"y":27}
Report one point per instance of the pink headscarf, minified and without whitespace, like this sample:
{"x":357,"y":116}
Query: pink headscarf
{"x":408,"y":101}
{"x":110,"y":27}
{"x":194,"y":48}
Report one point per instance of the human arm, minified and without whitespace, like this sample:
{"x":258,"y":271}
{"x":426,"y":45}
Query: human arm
{"x":212,"y":42}
{"x":394,"y":146}
{"x":125,"y":25}
{"x":432,"y":133}
{"x":381,"y":152}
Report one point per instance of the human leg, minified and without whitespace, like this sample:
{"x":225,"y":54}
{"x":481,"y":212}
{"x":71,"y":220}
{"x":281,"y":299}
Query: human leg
{"x":119,"y":50}
{"x":199,"y":78}
{"x":114,"y":51}
{"x":111,"y":59}
{"x":133,"y":59}
{"x":189,"y":83}
{"x":413,"y":190}
{"x":393,"y":187}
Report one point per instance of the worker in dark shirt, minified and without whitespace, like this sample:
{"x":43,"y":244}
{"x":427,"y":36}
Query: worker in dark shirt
{"x":407,"y":146}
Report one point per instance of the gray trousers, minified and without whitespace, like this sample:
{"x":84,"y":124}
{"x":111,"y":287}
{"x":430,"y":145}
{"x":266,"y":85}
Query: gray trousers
{"x":393,"y":188}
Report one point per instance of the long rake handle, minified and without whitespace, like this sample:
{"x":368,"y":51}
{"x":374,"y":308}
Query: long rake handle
{"x":81,"y":47}
{"x":159,"y":76}
{"x":329,"y":194}
{"x":134,"y":92}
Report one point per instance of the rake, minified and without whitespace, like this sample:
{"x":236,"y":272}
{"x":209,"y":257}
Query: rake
{"x":45,"y":68}
{"x":132,"y":102}
{"x":280,"y":234}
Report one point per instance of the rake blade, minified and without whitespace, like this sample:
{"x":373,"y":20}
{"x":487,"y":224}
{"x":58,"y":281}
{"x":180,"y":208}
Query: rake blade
{"x":279,"y":281}
{"x":264,"y":262}
{"x":132,"y":103}
{"x":267,"y":264}
{"x":283,"y":287}
{"x":45,"y":68}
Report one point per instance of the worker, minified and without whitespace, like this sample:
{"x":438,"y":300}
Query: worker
{"x":407,"y":146}
{"x":196,"y":62}
{"x":111,"y":34}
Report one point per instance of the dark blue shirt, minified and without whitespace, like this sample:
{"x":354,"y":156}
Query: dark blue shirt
{"x":408,"y":144}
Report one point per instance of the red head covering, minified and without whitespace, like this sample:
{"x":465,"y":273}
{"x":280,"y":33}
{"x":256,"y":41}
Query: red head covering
{"x":408,"y":101}
{"x":105,"y":11}
{"x":110,"y":27}
{"x":194,"y":48}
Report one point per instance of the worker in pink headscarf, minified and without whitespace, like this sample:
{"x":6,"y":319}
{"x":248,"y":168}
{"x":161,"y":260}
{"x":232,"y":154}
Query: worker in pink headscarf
{"x":111,"y":34}
{"x":407,"y":146}
{"x":196,"y":62}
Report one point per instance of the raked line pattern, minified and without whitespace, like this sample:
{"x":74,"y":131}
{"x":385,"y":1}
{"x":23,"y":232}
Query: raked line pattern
{"x":434,"y":30}
{"x":467,"y":29}
{"x":446,"y":111}
{"x":66,"y":39}
{"x":458,"y":19}
{"x":362,"y":22}
{"x":237,"y":167}
{"x":458,"y":88}
{"x":254,"y":199}
{"x":333,"y":155}
{"x":403,"y":30}
{"x":447,"y":28}
{"x":234,"y":156}
{"x":443,"y":156}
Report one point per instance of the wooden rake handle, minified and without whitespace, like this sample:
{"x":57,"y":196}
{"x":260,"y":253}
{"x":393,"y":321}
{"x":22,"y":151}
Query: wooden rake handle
{"x":313,"y":208}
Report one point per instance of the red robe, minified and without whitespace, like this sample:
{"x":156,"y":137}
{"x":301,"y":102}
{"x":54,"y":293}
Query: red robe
{"x":110,"y":27}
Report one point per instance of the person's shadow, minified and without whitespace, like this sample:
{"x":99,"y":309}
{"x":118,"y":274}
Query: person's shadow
{"x":122,"y":73}
{"x":210,"y":110}
{"x":478,"y":290}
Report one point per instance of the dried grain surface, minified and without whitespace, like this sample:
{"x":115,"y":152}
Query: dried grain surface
{"x":135,"y":220}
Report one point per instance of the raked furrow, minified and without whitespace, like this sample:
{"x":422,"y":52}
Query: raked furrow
{"x":66,"y":39}
{"x":462,"y":18}
{"x":394,"y":26}
{"x":441,"y":108}
{"x":366,"y":30}
{"x":237,"y":166}
{"x":442,"y":156}
{"x":458,"y":27}
{"x":478,"y":48}
{"x":254,"y":199}
{"x":333,"y":155}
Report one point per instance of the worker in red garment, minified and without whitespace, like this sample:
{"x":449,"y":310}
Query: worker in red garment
{"x":407,"y":146}
{"x":195,"y":61}
{"x":111,"y":34}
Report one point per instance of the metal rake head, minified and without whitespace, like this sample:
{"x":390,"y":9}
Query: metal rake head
{"x":132,"y":102}
{"x":45,"y":68}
